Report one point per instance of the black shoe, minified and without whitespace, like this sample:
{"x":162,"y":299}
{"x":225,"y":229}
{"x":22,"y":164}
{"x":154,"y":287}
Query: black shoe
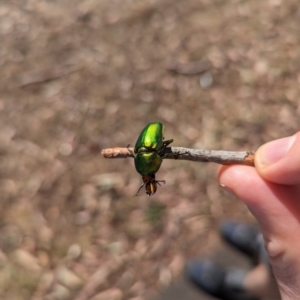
{"x":244,"y":237}
{"x":226,"y":284}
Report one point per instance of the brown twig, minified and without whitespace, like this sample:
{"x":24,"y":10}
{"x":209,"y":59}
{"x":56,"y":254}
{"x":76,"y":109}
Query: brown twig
{"x":216,"y":156}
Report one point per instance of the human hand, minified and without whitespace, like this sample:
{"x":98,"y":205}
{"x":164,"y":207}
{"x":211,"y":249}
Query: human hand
{"x":271,"y":191}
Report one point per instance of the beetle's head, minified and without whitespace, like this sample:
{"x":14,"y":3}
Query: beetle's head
{"x":150,"y":184}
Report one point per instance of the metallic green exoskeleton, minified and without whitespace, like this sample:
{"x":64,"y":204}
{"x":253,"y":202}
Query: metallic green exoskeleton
{"x":148,"y":155}
{"x":151,"y":138}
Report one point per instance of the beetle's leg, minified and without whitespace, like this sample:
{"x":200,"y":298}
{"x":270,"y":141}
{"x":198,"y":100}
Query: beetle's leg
{"x":139,"y":189}
{"x":158,"y":181}
{"x":163,"y":147}
{"x":167,"y":142}
{"x":170,"y":155}
{"x":130,"y":151}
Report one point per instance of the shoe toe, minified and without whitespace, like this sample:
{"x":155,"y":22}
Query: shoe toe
{"x":241,"y":236}
{"x":206,"y":275}
{"x":220,"y":282}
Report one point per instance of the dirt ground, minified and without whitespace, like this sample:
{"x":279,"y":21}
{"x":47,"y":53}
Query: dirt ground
{"x":80,"y":76}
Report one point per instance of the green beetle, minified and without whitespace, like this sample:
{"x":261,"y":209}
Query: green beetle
{"x":148,"y":155}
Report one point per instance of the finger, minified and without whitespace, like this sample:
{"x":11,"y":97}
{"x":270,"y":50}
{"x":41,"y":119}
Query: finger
{"x":279,"y":160}
{"x":276,"y":207}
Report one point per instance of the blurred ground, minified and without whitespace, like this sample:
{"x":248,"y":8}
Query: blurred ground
{"x":79,"y":76}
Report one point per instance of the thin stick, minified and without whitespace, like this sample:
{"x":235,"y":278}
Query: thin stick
{"x":216,"y":156}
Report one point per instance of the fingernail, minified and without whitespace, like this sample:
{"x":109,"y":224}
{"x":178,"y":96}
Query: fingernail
{"x":273,"y":151}
{"x":226,"y":188}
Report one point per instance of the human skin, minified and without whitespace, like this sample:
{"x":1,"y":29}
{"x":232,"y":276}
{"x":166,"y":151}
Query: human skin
{"x":271,"y":191}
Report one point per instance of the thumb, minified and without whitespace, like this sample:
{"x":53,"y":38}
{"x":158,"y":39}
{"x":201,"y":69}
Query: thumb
{"x":279,"y":161}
